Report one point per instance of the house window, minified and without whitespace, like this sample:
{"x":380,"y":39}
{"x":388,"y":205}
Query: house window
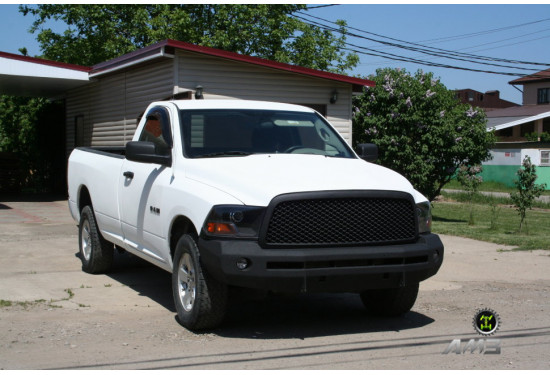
{"x":546,"y":125}
{"x":545,"y":158}
{"x":543,"y":96}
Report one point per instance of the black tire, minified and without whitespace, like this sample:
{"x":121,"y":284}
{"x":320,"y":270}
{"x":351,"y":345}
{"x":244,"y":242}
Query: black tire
{"x":390,"y":302}
{"x":201,"y":301}
{"x":96,"y":253}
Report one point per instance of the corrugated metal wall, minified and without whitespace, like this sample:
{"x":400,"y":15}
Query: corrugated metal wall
{"x":225,"y":79}
{"x":111,"y":105}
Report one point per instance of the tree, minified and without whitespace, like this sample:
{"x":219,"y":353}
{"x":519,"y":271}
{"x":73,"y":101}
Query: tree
{"x":421,"y":130}
{"x":99,"y":32}
{"x":469,"y":179}
{"x":32,"y":129}
{"x":527,"y":189}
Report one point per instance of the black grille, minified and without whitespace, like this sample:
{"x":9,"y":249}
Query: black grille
{"x":342,"y":221}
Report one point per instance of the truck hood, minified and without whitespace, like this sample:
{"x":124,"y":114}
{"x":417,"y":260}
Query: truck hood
{"x":256,"y":179}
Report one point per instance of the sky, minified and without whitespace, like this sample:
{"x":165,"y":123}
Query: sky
{"x":503,"y":31}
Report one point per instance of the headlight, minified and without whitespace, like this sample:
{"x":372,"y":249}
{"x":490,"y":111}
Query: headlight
{"x":234,"y":221}
{"x":424,"y":213}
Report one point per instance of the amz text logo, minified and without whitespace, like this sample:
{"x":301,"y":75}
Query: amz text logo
{"x":490,"y":346}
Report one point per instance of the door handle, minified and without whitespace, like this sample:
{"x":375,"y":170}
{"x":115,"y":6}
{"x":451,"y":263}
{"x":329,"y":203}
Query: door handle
{"x":128,"y":174}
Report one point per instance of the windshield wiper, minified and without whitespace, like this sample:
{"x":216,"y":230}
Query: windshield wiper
{"x":224,"y":153}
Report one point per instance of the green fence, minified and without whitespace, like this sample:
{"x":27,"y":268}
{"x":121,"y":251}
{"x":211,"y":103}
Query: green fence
{"x":506,"y":174}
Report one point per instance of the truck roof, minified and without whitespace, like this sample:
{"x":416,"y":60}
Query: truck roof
{"x":240,"y":104}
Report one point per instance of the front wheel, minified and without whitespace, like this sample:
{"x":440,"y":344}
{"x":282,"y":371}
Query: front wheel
{"x":390,"y":302}
{"x":201,"y":301}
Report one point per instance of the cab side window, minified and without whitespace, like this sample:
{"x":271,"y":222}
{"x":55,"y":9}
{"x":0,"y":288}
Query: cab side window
{"x":157,"y":130}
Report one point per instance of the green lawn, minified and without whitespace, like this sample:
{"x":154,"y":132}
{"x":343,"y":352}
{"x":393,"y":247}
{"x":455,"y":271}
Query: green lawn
{"x":481,"y":199}
{"x":487,"y":186}
{"x":452,"y":218}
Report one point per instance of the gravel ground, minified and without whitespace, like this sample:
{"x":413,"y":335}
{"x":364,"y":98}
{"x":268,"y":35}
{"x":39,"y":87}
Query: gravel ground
{"x":62,"y":318}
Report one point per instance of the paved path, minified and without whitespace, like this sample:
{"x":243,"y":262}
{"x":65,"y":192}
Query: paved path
{"x":29,"y":212}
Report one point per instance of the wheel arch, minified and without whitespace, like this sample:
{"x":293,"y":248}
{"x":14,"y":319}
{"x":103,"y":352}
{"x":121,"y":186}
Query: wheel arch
{"x":84,"y":198}
{"x":180,"y":225}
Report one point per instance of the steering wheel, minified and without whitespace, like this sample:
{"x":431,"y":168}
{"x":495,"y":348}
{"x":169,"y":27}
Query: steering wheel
{"x":292,"y":148}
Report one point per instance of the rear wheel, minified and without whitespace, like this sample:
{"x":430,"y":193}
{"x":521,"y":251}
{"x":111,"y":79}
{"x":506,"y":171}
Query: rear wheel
{"x":390,"y":302}
{"x":96,"y":253}
{"x":201,"y":301}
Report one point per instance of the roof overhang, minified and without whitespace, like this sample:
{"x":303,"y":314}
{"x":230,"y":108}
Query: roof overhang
{"x":541,"y":76}
{"x":29,"y":76}
{"x":499,"y":123}
{"x":166,"y":49}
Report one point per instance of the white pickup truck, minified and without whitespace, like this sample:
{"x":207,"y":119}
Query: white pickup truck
{"x":254,"y":195}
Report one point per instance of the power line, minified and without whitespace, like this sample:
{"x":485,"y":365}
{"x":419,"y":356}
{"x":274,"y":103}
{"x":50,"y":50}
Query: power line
{"x":478,"y":33}
{"x":416,"y":46}
{"x":419,"y":47}
{"x":508,"y":39}
{"x":322,"y":6}
{"x":424,"y":50}
{"x":440,"y":55}
{"x":391,"y":56}
{"x":486,"y":49}
{"x":513,"y":44}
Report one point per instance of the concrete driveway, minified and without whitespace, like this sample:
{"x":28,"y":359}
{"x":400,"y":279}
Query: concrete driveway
{"x":54,"y":316}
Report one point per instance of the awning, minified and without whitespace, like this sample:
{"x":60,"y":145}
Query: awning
{"x":28,"y":76}
{"x":512,"y":116}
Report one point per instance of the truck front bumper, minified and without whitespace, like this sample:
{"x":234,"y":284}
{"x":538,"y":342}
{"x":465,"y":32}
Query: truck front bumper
{"x":330,"y":269}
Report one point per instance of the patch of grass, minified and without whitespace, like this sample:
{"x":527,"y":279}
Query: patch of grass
{"x":107,"y":285}
{"x":487,"y":186}
{"x":24,"y":304}
{"x":452,"y":218}
{"x":70,"y":293}
{"x":51,"y":304}
{"x":487,"y":199}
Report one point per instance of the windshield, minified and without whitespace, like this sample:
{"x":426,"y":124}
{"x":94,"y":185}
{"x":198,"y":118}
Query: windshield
{"x":241,"y":132}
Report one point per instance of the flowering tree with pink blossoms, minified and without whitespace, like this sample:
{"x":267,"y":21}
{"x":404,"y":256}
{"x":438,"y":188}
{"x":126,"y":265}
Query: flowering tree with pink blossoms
{"x":421,"y":129}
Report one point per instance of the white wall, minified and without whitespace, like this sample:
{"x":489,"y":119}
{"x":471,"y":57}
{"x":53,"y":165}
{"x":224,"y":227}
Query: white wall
{"x":534,"y":154}
{"x":505,"y":157}
{"x":514,"y":156}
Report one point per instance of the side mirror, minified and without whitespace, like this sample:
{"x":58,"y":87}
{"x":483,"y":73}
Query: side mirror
{"x":368,"y":151}
{"x":145,"y":152}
